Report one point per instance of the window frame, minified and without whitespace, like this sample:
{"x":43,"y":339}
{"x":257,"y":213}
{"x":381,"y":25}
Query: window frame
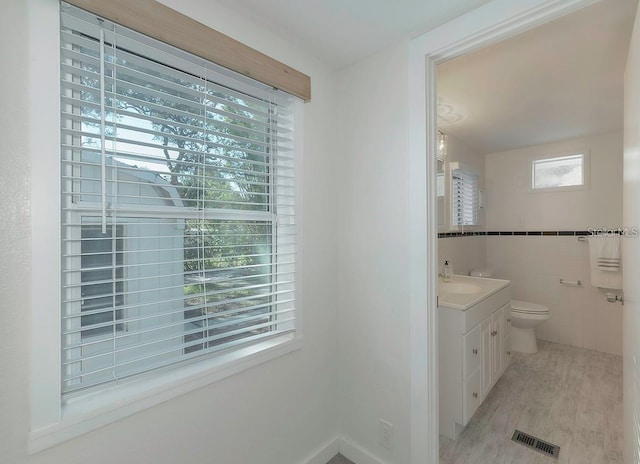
{"x":52,"y":420}
{"x":586,"y":172}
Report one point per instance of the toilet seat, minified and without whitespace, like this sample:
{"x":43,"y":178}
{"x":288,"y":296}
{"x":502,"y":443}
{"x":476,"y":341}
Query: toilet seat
{"x":526,"y":307}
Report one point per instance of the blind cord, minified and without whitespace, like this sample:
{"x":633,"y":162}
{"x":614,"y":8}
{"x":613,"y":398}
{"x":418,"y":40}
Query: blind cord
{"x":103,"y":125}
{"x":114,"y":196}
{"x":202,"y":206}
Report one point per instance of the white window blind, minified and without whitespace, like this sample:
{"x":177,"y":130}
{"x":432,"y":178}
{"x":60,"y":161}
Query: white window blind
{"x":178,"y":214}
{"x":464,"y":198}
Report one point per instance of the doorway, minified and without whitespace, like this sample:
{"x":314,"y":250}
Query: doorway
{"x":487,"y":25}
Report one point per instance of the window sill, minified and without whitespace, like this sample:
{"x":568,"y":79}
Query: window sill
{"x":567,"y":188}
{"x":99,"y":408}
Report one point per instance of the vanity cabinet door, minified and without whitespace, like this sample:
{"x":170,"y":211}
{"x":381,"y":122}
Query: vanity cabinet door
{"x":471,"y":346}
{"x":496,"y":345}
{"x":506,"y":336}
{"x":472,"y":396}
{"x":472,"y":372}
{"x":485,"y":353}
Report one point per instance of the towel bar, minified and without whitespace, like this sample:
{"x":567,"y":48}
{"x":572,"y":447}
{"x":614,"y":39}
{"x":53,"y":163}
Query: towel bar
{"x":577,"y":283}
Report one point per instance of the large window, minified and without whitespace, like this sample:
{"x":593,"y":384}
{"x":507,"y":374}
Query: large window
{"x":178,"y":225}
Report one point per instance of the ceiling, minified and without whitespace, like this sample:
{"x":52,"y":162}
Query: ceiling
{"x":559,"y":81}
{"x":341,"y":32}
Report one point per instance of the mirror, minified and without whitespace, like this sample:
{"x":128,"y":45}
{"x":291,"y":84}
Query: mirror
{"x":457,"y":190}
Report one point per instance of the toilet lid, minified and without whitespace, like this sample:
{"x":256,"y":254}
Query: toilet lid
{"x":527,"y":307}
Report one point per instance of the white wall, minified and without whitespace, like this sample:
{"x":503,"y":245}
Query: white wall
{"x":14,"y":230}
{"x":631,"y":251}
{"x":579,"y":316}
{"x":374,"y":241}
{"x":511,"y":206}
{"x":279,"y":412}
{"x":463,"y":253}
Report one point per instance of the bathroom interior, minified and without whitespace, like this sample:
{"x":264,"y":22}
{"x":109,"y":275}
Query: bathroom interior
{"x":502,"y":110}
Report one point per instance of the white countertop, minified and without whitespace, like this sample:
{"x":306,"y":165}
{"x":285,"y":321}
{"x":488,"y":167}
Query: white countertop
{"x":463,"y":291}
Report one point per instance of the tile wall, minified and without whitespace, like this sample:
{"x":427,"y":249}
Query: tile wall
{"x":580,"y":316}
{"x":463,"y":253}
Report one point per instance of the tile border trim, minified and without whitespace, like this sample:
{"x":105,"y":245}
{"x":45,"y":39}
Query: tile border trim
{"x":534,"y":233}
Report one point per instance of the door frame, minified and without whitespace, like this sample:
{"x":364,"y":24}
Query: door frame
{"x":488,"y":24}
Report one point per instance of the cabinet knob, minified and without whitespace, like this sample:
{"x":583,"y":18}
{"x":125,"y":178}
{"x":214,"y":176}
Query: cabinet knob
{"x":509,"y":353}
{"x":508,"y":320}
{"x":475,"y":351}
{"x":494,"y":333}
{"x":475,"y":395}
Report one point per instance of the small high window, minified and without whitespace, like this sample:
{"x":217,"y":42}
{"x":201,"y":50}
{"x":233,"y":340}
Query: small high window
{"x":558,"y":172}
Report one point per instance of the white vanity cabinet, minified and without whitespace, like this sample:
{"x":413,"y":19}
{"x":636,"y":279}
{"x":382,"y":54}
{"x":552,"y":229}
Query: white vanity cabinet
{"x":473,"y":355}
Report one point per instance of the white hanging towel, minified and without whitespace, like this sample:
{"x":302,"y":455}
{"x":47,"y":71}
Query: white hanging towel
{"x":606,"y":262}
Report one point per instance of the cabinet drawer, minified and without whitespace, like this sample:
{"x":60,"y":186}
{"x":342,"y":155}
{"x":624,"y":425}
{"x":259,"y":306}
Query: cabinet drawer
{"x":471,"y":353}
{"x":485,"y":308}
{"x":472,"y":397}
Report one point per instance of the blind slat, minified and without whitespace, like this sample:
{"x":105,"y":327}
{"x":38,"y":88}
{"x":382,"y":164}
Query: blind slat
{"x":168,"y":361}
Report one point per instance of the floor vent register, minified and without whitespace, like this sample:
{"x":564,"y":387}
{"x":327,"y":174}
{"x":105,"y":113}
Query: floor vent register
{"x":536,"y":444}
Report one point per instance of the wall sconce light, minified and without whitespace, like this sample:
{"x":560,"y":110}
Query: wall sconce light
{"x":442,"y":144}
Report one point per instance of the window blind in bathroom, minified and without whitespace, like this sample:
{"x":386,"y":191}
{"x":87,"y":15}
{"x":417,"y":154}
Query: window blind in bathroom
{"x":464,"y":198}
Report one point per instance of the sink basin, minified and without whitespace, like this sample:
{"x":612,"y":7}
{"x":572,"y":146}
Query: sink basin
{"x":459,"y":288}
{"x":462,"y":292}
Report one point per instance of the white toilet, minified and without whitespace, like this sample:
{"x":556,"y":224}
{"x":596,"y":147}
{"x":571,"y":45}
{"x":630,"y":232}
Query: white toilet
{"x":525,"y":317}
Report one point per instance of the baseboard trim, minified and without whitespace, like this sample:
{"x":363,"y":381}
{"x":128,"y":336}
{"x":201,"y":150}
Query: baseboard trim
{"x":325,"y":453}
{"x":350,"y":450}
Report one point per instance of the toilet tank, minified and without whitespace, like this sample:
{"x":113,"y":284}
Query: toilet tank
{"x":481,"y":272}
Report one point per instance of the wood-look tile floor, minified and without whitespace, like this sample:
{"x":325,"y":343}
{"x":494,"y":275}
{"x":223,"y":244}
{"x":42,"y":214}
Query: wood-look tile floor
{"x":568,"y":396}
{"x":340,"y":459}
